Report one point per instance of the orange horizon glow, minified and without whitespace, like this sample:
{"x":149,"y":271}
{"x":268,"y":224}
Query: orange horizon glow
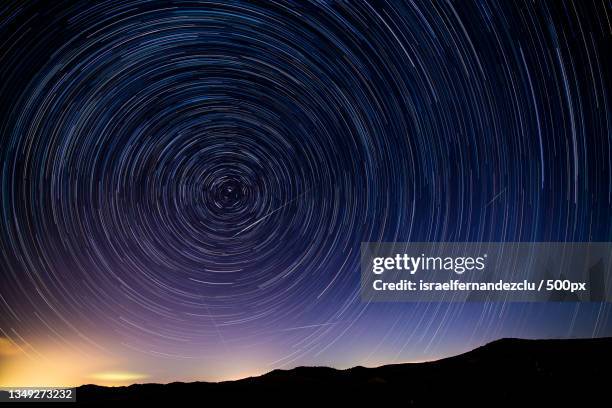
{"x":62,"y":366}
{"x":66,"y":365}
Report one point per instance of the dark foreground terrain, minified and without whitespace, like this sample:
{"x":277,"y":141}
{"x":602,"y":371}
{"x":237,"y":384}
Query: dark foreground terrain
{"x":505,"y":372}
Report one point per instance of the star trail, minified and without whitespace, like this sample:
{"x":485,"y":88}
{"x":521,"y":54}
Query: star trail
{"x":185,"y":185}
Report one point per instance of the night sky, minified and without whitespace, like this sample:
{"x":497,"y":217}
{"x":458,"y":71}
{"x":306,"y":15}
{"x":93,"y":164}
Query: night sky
{"x":184,"y":186}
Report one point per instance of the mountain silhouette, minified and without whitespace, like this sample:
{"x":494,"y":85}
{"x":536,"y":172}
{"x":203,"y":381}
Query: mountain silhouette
{"x":504,"y":372}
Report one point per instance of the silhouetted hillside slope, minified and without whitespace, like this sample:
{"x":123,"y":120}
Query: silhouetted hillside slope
{"x":504,"y":372}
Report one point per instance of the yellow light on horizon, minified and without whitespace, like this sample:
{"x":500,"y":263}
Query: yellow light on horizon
{"x":118,"y":376}
{"x":50,"y":365}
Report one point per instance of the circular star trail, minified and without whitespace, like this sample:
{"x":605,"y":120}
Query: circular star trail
{"x":189,"y":174}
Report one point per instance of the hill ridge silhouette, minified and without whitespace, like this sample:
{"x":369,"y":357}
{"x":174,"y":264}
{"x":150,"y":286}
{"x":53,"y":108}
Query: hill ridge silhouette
{"x":508,"y":370}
